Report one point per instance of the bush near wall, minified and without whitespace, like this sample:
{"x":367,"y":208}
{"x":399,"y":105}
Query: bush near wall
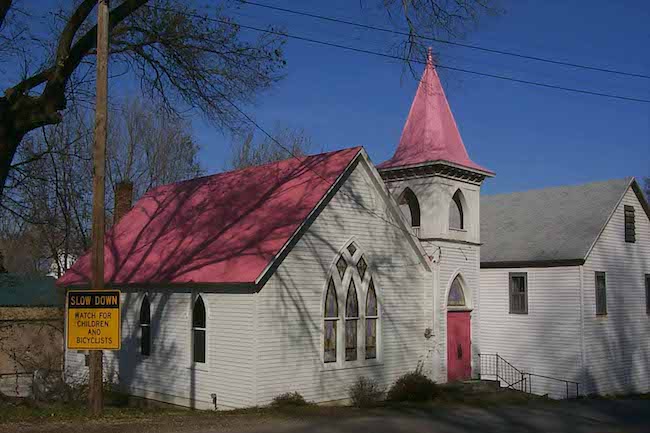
{"x":413,"y":386}
{"x":365,"y":393}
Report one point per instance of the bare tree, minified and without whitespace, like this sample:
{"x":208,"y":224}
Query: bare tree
{"x":188,"y":59}
{"x":433,"y":19}
{"x":647,"y":187}
{"x":149,"y":146}
{"x":246,"y":153}
{"x":49,"y":199}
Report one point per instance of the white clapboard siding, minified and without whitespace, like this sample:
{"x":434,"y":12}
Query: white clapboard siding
{"x":289,"y":306}
{"x":617,"y":346}
{"x":228,"y":368}
{"x":453,"y":259}
{"x":545,"y":341}
{"x":167,"y":374}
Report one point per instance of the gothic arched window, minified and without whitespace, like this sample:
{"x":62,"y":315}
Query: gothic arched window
{"x":410,"y":207}
{"x":351,"y":321}
{"x":456,"y":296}
{"x":331,"y":320}
{"x":456,"y":217}
{"x":371,"y":322}
{"x":351,"y":282}
{"x":198,"y":330}
{"x":145,"y":327}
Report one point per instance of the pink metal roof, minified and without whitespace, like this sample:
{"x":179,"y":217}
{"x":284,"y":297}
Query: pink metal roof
{"x":430,"y":132}
{"x":225,"y":228}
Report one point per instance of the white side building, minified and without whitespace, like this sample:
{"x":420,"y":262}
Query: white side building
{"x":564,"y":288}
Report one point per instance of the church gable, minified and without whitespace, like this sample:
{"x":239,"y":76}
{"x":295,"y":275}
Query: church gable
{"x":355,"y":267}
{"x":360,"y":195}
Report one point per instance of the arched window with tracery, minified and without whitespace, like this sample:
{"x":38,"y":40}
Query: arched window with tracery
{"x":198,"y":330}
{"x":145,"y":327}
{"x":350,"y":281}
{"x":456,"y":214}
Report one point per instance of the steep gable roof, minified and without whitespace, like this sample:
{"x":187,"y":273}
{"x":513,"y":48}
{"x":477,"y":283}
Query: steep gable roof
{"x":553,"y":225}
{"x":430,"y":133}
{"x":226,"y":228}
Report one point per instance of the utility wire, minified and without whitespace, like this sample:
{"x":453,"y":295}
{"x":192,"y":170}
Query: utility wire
{"x":394,"y":57}
{"x":444,"y":41}
{"x":300,"y":159}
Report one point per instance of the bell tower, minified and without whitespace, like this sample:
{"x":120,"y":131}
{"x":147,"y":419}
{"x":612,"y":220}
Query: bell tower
{"x":437,"y":187}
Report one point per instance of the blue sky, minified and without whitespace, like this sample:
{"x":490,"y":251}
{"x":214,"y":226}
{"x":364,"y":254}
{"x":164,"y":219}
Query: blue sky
{"x":532,"y":137}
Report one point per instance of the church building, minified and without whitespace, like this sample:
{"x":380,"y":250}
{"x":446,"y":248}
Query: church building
{"x":306,"y":274}
{"x":301,"y":275}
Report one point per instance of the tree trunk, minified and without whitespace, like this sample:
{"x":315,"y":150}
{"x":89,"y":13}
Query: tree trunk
{"x":10,"y":138}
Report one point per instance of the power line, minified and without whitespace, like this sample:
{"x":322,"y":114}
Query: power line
{"x":394,"y":57}
{"x":293,"y":155}
{"x":444,"y":41}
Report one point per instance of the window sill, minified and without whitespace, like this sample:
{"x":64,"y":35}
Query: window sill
{"x":199,"y":367}
{"x":335,"y":366}
{"x":451,"y":229}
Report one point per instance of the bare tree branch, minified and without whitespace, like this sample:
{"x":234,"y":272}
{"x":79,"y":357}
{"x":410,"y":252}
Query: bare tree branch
{"x":5,"y":5}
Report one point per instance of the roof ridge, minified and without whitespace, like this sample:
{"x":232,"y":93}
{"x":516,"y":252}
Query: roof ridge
{"x":252,"y":167}
{"x":222,"y":229}
{"x":550,"y":188}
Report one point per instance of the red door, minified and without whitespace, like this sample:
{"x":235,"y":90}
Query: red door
{"x":459,"y":349}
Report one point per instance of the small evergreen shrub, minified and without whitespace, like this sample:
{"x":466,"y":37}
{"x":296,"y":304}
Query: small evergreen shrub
{"x":365,"y":393}
{"x":413,"y":386}
{"x":289,"y":399}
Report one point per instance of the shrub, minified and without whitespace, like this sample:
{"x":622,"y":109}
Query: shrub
{"x":289,"y":399}
{"x":365,"y":393}
{"x":413,"y":386}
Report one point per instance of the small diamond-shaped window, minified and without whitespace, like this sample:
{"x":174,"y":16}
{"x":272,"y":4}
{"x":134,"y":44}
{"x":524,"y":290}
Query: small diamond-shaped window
{"x":362,"y":267}
{"x":341,"y":265}
{"x":352,"y":249}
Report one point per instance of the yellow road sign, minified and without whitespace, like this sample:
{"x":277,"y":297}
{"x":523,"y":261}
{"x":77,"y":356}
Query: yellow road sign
{"x":93,"y":319}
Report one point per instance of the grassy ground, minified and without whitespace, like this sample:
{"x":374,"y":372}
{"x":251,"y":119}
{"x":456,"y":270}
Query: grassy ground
{"x":498,"y":409}
{"x":119,"y":407}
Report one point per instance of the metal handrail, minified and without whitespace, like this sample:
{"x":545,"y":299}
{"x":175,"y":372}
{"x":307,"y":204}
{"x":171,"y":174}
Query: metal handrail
{"x":566,"y":382}
{"x":511,"y":375}
{"x":525,"y":382}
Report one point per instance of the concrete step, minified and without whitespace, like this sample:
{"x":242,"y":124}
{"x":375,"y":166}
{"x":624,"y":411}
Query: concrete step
{"x":474,"y":386}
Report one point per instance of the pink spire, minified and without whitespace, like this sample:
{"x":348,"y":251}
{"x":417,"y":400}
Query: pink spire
{"x":430,"y":132}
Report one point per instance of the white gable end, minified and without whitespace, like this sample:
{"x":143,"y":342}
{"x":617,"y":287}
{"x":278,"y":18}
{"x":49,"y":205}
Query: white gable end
{"x":616,"y":345}
{"x":290,"y":305}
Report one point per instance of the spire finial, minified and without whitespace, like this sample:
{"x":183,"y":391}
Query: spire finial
{"x":429,"y":57}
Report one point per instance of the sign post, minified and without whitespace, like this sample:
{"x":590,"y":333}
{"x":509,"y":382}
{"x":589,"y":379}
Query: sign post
{"x":93,"y":321}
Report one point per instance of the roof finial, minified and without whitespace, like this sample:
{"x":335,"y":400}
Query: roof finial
{"x":429,"y":57}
